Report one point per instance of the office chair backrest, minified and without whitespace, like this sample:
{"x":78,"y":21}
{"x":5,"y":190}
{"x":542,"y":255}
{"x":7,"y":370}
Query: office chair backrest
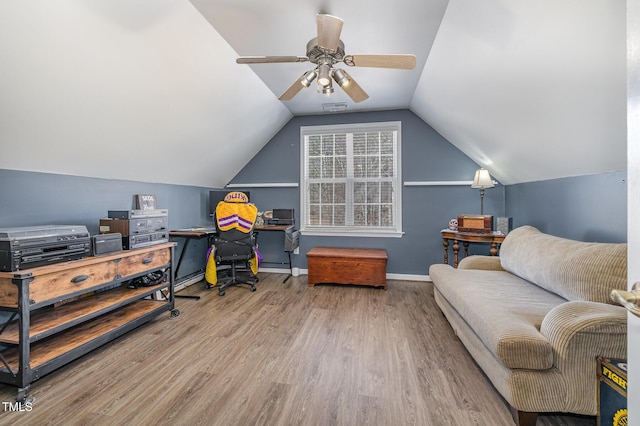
{"x":235,"y":218}
{"x":235,"y":212}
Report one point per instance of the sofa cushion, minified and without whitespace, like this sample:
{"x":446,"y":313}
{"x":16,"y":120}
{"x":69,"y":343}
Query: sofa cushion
{"x":493,"y":305}
{"x":574,"y":270}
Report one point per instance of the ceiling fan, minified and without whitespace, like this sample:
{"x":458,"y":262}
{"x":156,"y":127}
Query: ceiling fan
{"x":325,"y":51}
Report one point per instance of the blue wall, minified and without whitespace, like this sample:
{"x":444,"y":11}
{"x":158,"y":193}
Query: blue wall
{"x":426,"y":156}
{"x":50,"y":199}
{"x":585,"y":208}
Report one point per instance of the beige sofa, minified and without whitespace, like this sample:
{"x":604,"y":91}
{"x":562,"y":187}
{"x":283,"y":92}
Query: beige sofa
{"x":535,"y":318}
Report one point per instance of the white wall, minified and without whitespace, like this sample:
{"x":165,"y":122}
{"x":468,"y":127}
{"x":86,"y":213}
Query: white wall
{"x":633,"y":148}
{"x":141,"y":90}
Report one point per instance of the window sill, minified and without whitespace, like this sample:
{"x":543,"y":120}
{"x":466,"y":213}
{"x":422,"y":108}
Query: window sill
{"x":346,"y":233}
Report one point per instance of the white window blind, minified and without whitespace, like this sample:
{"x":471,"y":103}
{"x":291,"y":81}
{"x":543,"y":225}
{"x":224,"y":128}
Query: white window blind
{"x":350,"y":183}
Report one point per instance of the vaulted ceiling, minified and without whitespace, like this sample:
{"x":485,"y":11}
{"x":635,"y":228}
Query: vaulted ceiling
{"x":149,"y":90}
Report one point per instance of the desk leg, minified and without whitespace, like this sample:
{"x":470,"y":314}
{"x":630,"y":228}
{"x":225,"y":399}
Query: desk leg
{"x":466,"y":248}
{"x":187,"y":296}
{"x":445,"y":243}
{"x":184,"y":249}
{"x":494,"y":249}
{"x":290,"y":269}
{"x":456,"y":249}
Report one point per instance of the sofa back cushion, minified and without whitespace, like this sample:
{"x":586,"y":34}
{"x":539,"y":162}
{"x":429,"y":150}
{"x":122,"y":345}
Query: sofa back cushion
{"x":574,"y":270}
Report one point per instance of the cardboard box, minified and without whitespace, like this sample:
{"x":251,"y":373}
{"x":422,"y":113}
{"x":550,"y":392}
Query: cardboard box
{"x":612,"y":392}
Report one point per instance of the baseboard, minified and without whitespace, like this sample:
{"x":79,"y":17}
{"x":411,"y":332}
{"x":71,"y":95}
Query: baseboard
{"x":403,"y":277}
{"x":409,"y":277}
{"x":298,"y":271}
{"x":275,"y":270}
{"x":190,"y":281}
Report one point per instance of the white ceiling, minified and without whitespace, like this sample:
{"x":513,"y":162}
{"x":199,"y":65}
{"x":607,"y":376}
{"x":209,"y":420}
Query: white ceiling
{"x":530,"y":90}
{"x":283,"y":27}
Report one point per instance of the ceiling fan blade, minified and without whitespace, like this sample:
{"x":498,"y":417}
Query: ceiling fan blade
{"x":329,"y":29}
{"x":293,"y":89}
{"x":405,"y":62}
{"x":354,"y":90}
{"x":270,"y":59}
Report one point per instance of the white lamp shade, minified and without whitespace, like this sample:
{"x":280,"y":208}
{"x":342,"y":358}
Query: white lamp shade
{"x":482,"y":180}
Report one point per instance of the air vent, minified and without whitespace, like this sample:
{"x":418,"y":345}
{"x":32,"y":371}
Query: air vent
{"x":334,"y":107}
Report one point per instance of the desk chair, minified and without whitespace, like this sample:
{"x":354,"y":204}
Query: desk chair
{"x":234,"y":245}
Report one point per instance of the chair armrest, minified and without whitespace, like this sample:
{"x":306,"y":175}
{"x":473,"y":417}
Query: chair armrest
{"x":579,"y":332}
{"x":487,"y":263}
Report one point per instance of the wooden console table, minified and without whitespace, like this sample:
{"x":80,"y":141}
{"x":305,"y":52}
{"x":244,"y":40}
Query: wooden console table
{"x":60,"y":312}
{"x":494,"y":239}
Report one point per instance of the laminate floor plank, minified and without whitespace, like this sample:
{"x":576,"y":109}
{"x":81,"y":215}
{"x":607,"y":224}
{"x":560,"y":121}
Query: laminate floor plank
{"x":286,"y":354}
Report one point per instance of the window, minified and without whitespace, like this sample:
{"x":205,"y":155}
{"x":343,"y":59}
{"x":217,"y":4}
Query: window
{"x":350,"y":180}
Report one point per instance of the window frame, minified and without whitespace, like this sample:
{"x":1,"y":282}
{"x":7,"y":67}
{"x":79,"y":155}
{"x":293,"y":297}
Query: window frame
{"x":394,"y":231}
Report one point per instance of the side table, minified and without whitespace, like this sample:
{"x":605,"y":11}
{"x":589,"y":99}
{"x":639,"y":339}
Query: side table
{"x":494,"y":238}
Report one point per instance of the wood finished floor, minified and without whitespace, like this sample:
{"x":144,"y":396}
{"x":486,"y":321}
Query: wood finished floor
{"x":284,"y":355}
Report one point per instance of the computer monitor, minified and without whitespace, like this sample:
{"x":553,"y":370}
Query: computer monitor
{"x":217,"y":195}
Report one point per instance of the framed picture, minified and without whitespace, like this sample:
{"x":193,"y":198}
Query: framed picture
{"x":145,"y":202}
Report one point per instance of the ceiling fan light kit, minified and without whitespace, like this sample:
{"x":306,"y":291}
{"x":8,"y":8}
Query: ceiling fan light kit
{"x":325,"y":51}
{"x":308,"y":78}
{"x":324,"y":77}
{"x":327,"y":90}
{"x":340,"y":77}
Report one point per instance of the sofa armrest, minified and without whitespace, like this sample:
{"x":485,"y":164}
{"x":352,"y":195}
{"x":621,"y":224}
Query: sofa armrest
{"x":579,"y":332}
{"x":487,"y":263}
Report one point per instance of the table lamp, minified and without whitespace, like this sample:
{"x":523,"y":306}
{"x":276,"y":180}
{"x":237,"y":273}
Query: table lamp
{"x":481,"y":181}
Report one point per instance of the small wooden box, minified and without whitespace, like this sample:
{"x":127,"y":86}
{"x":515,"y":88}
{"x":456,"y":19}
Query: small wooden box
{"x":482,"y":224}
{"x":347,"y":266}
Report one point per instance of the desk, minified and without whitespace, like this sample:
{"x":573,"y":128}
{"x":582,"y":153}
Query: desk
{"x":280,"y":228}
{"x":272,"y":227}
{"x":468,"y":237}
{"x":188,"y":234}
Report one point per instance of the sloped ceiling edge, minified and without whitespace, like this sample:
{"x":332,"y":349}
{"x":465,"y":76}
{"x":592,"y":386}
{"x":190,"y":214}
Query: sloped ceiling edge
{"x":135,"y":93}
{"x":530,"y":95}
